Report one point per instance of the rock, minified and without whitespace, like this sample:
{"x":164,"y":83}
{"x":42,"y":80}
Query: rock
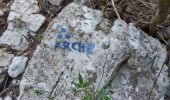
{"x":168,"y":92}
{"x":55,"y":2}
{"x":5,"y":58}
{"x":17,"y":66}
{"x":13,"y":15}
{"x":15,"y":40}
{"x":23,"y":20}
{"x":8,"y":97}
{"x":25,"y":6}
{"x":34,"y":21}
{"x":130,"y":61}
{"x":1,"y":13}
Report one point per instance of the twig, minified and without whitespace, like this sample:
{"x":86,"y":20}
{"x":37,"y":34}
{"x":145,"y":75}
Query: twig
{"x":6,"y":82}
{"x":145,"y":4}
{"x":7,"y":90}
{"x":163,"y":38}
{"x":114,"y":7}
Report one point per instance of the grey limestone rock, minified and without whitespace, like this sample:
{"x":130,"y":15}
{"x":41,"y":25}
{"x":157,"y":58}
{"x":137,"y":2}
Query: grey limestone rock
{"x":125,"y":56}
{"x":17,"y":66}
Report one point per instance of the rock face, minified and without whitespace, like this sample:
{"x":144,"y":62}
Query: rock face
{"x":17,"y":66}
{"x":120,"y":54}
{"x":23,"y":20}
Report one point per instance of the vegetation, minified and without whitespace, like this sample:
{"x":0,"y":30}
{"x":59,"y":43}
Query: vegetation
{"x":27,"y":88}
{"x":39,"y":92}
{"x":83,"y":87}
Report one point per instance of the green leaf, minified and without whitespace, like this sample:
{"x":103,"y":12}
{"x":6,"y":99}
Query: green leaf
{"x":77,"y":85}
{"x":39,"y":92}
{"x":101,"y":94}
{"x":27,"y":88}
{"x":85,"y":84}
{"x":86,"y":97}
{"x":38,"y":38}
{"x":106,"y":98}
{"x":51,"y":98}
{"x":80,"y":79}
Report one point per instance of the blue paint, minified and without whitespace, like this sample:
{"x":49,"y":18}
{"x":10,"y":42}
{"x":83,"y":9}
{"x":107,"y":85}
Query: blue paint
{"x":63,"y":30}
{"x":66,"y":45}
{"x":59,"y":36}
{"x":73,"y":46}
{"x":67,"y":36}
{"x":77,"y":46}
{"x":58,"y":45}
{"x":90,"y":47}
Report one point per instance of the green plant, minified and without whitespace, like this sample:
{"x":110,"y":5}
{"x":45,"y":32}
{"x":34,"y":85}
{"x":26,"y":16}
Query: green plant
{"x":39,"y":92}
{"x":83,"y":86}
{"x":51,"y":98}
{"x":27,"y":88}
{"x":38,"y":38}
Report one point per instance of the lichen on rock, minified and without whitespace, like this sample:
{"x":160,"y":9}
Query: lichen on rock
{"x":125,"y":56}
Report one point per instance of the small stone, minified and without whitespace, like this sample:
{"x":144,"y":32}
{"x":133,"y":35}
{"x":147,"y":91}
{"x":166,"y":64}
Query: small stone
{"x":25,"y":6}
{"x":13,"y":15}
{"x":17,"y":66}
{"x":1,"y":13}
{"x":15,"y":40}
{"x":5,"y":58}
{"x":55,"y":2}
{"x":34,"y":21}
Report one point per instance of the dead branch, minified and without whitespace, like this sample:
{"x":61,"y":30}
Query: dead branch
{"x":114,"y":7}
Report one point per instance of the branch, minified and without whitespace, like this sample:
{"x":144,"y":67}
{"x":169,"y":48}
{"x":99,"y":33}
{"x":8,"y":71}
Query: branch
{"x":114,"y":7}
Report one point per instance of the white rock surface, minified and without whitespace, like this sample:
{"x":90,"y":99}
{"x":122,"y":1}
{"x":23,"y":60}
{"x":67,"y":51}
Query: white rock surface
{"x":14,"y":39}
{"x":34,"y":21}
{"x":25,"y":6}
{"x":17,"y":66}
{"x":55,"y":2}
{"x":72,"y":45}
{"x":13,"y":15}
{"x":5,"y":58}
